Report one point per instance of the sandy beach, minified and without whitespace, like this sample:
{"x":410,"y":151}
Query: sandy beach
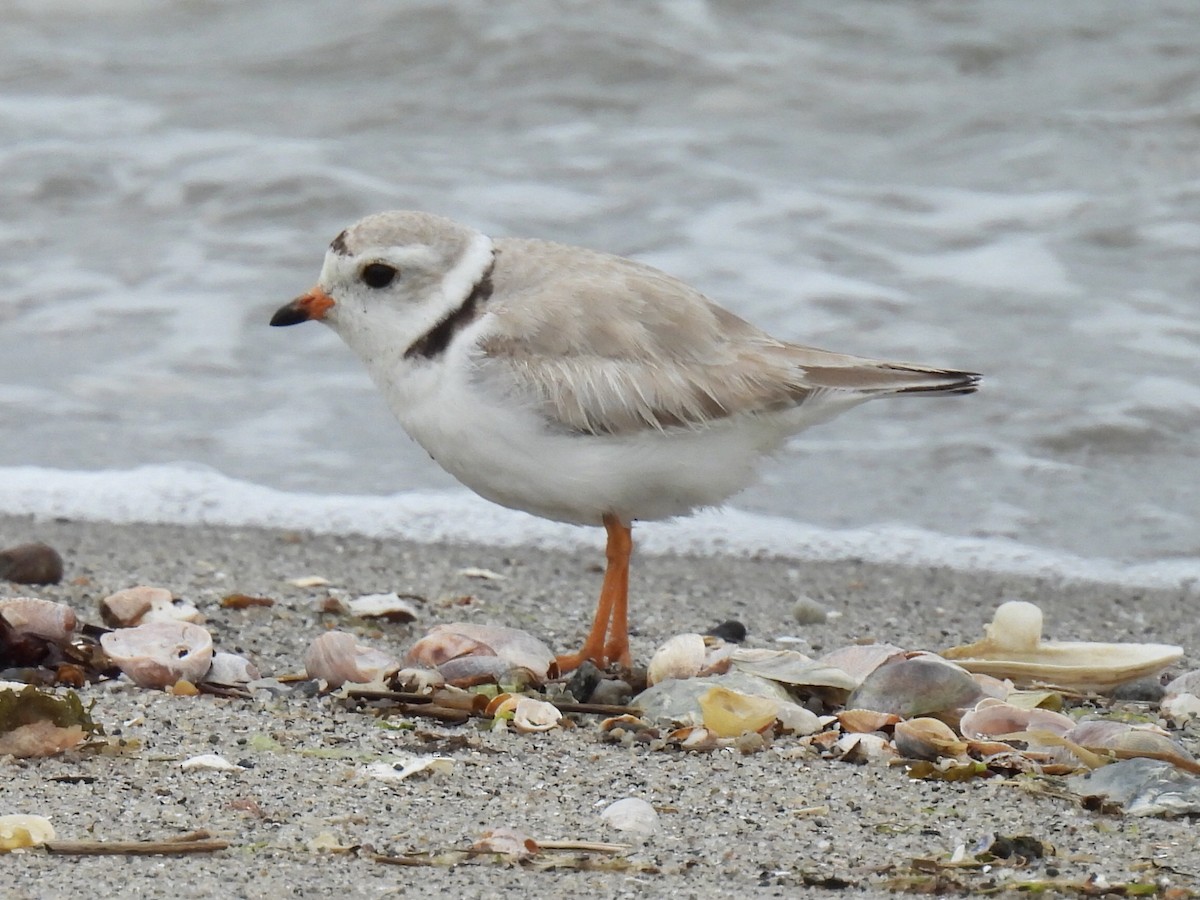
{"x":764,"y":824}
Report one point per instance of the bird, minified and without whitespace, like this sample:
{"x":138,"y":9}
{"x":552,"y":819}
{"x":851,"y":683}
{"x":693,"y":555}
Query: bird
{"x":578,"y":385}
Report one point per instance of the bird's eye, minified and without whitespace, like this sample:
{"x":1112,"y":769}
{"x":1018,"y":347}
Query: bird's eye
{"x":378,"y":275}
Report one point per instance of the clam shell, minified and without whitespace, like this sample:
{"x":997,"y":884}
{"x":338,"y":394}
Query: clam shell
{"x":864,"y":721}
{"x":518,"y":649}
{"x":728,"y":713}
{"x":790,"y":667}
{"x":680,"y":657}
{"x":994,"y":719}
{"x":141,"y":604}
{"x":676,"y":701}
{"x":925,"y":738}
{"x":43,"y":618}
{"x":158,"y":654}
{"x":391,"y":607}
{"x":1013,"y":649}
{"x":530,"y":715}
{"x":229,"y":668}
{"x":336,"y":657}
{"x":860,"y":660}
{"x":915,"y":687}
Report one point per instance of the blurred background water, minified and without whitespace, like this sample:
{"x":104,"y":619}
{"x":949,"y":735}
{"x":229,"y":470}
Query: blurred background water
{"x":1010,"y":188}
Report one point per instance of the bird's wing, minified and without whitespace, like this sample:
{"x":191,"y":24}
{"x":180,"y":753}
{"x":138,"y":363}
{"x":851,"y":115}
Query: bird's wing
{"x":603,"y":345}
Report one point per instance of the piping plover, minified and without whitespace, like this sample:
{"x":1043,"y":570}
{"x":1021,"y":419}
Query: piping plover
{"x":576,"y":385}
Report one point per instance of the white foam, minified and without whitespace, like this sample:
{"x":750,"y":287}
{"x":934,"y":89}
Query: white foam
{"x":194,"y":495}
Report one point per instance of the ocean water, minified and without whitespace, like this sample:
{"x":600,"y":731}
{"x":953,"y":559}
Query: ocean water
{"x":1009,"y":188}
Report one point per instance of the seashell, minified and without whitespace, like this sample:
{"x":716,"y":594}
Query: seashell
{"x":212,"y":761}
{"x":142,"y":604}
{"x":406,"y":766}
{"x":864,"y":721}
{"x":418,"y":681}
{"x":728,"y":713}
{"x":925,"y":738}
{"x":37,"y":723}
{"x":1013,"y":648}
{"x":229,"y":668}
{"x":1187,"y":683}
{"x":519,"y":649}
{"x":1180,"y":708}
{"x":992,"y":718}
{"x":20,"y":831}
{"x":794,"y":718}
{"x":631,"y":814}
{"x":790,"y":667}
{"x":677,"y":702}
{"x":466,"y":671}
{"x":863,"y":748}
{"x":860,"y":660}
{"x":530,"y":715}
{"x":336,"y":657}
{"x":915,"y":687}
{"x":31,"y":564}
{"x":680,"y":657}
{"x":1143,"y":787}
{"x":158,"y":654}
{"x":46,"y":619}
{"x":510,"y":843}
{"x":694,"y":737}
{"x":391,"y":607}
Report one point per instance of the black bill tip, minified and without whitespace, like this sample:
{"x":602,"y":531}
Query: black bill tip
{"x":292,"y":314}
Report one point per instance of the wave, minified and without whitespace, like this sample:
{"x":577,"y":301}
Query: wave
{"x":186,"y":494}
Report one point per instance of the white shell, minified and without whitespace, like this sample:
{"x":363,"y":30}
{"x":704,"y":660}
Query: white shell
{"x":402,"y":768}
{"x":1013,"y":649}
{"x":336,"y":657}
{"x":530,"y":715}
{"x":44,"y":618}
{"x":631,"y":814}
{"x":141,"y":604}
{"x":158,"y":654}
{"x":680,"y":657}
{"x":383,"y":606}
{"x":20,"y":831}
{"x":212,"y":761}
{"x":518,"y":649}
{"x":229,"y":668}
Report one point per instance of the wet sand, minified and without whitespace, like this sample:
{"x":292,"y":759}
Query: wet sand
{"x":765,"y":824}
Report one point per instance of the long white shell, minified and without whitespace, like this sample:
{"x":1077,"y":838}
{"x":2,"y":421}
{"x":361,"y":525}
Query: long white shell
{"x":1013,"y":649}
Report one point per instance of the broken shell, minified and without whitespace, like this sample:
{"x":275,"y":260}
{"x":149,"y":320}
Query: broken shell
{"x":631,"y":814}
{"x":402,"y":768}
{"x":864,"y":721}
{"x":863,"y":748}
{"x":676,"y":701}
{"x":531,"y":715}
{"x":31,"y":564}
{"x":418,"y":681}
{"x":213,"y":761}
{"x":528,"y":715}
{"x":728,"y":713}
{"x":519,"y":649}
{"x":680,"y":657}
{"x":142,"y":604}
{"x":229,"y":668}
{"x":46,"y":619}
{"x":158,"y":654}
{"x":915,"y":687}
{"x":391,"y":606}
{"x":508,"y":842}
{"x":860,"y":660}
{"x":24,"y":831}
{"x":925,"y":738}
{"x":790,"y":667}
{"x":995,"y":719}
{"x":336,"y":657}
{"x":1013,"y":649}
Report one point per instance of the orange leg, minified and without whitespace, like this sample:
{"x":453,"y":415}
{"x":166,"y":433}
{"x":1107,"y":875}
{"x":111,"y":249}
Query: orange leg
{"x":613,"y":604}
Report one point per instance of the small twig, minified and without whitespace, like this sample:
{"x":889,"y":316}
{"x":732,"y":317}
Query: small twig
{"x":599,"y":709}
{"x":194,"y":842}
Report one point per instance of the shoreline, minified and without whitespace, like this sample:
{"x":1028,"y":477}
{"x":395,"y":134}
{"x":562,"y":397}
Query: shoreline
{"x":728,"y":822}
